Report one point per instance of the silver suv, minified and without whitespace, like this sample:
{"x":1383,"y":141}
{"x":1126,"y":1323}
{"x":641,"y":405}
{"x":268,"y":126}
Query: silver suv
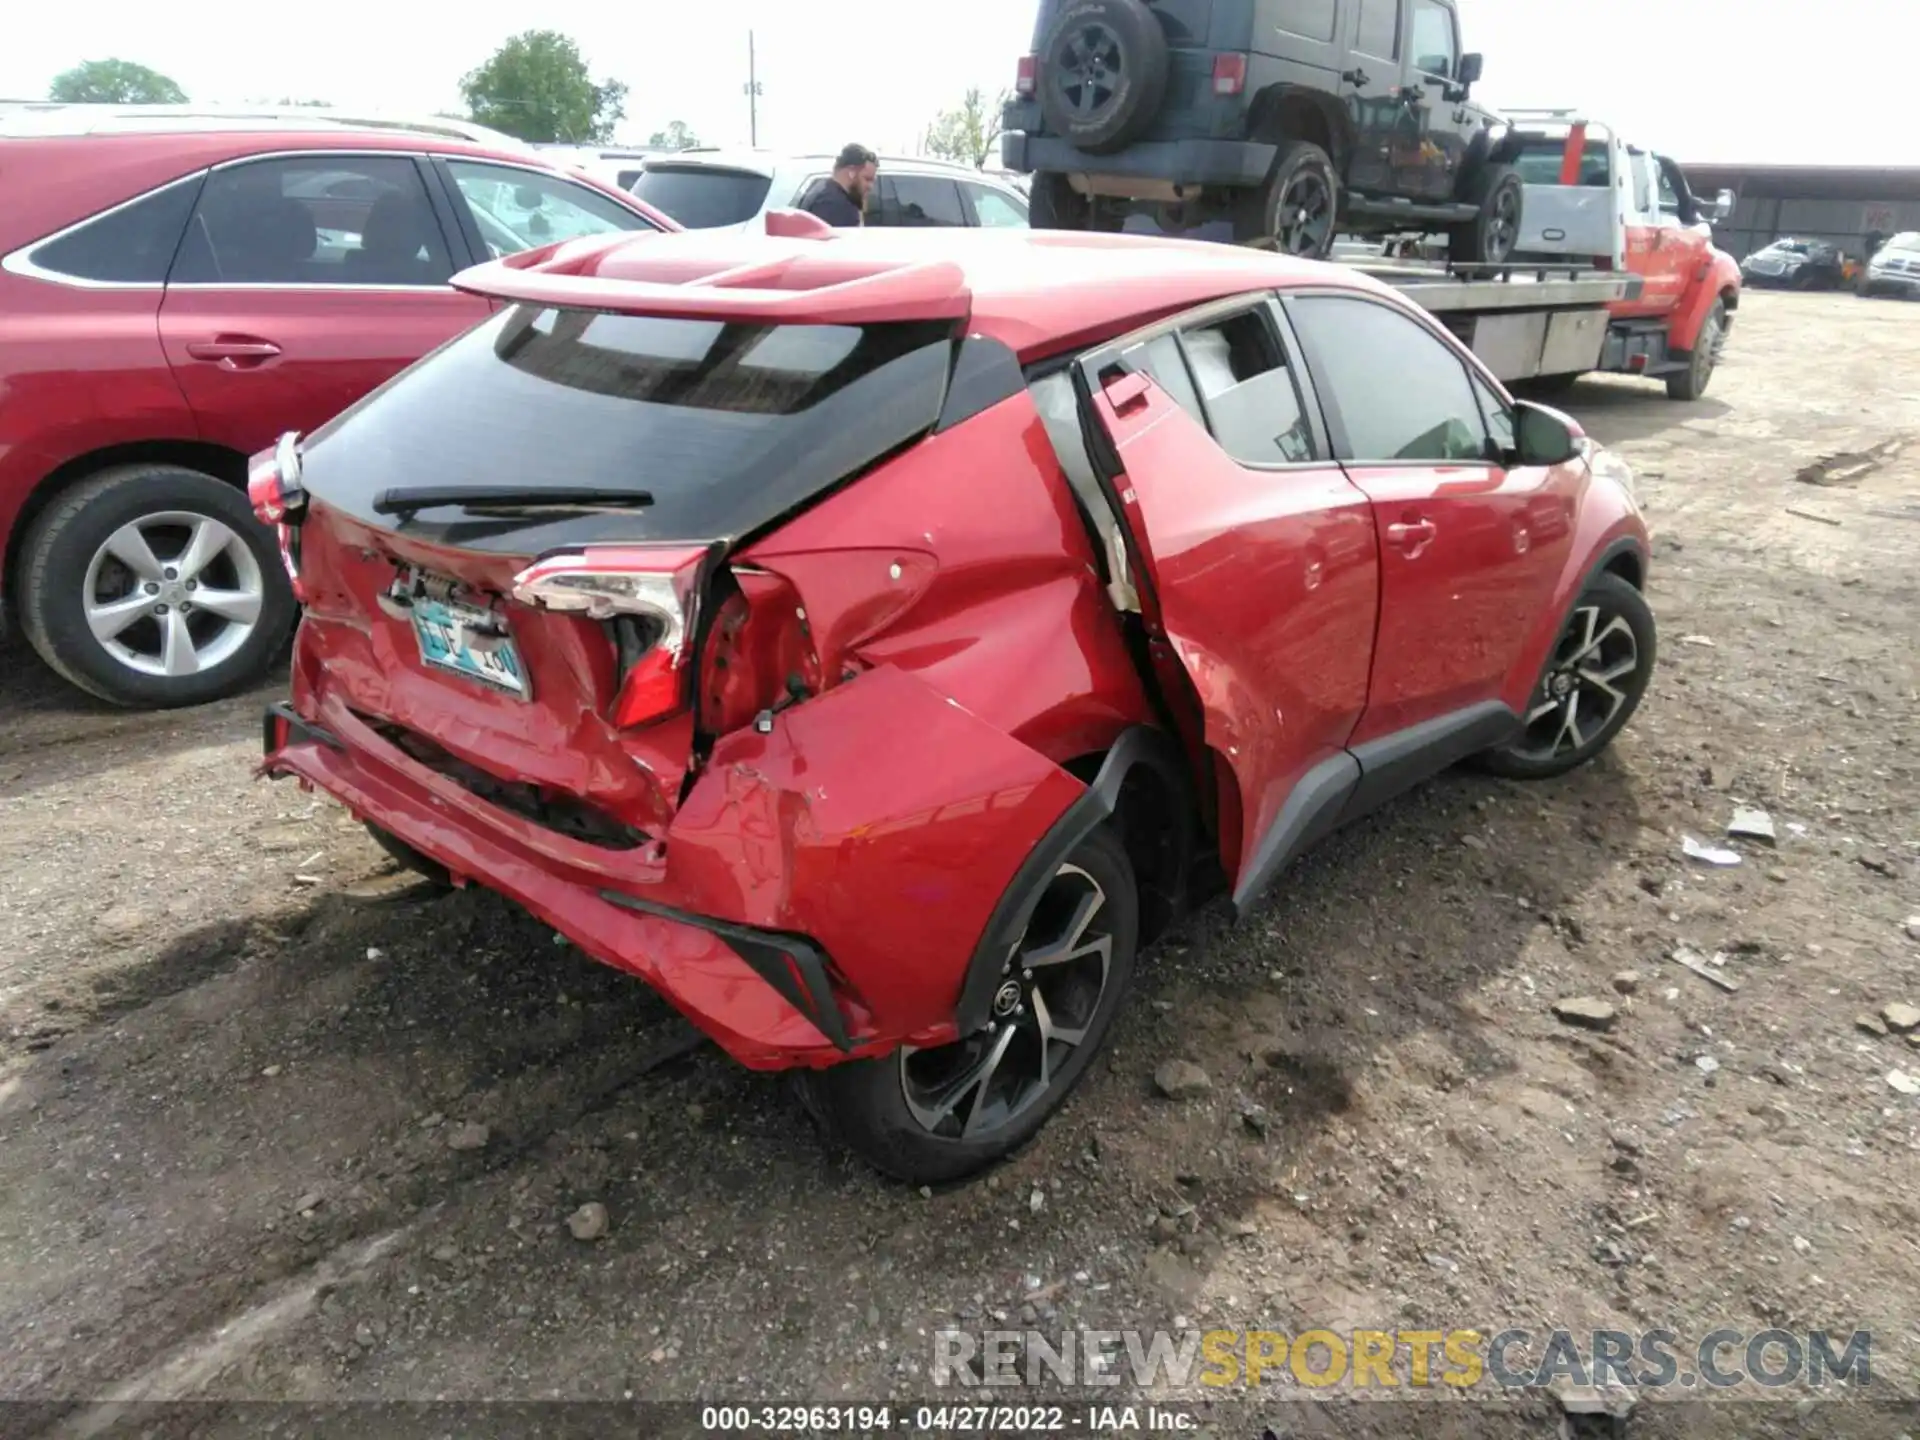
{"x":731,"y":189}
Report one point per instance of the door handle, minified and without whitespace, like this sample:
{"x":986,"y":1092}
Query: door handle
{"x":1412,"y":536}
{"x":233,"y":352}
{"x":1356,"y":76}
{"x":1126,"y":393}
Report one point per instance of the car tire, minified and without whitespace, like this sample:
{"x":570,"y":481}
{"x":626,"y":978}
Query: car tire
{"x":1491,"y":237}
{"x":1691,"y":383}
{"x":901,"y":1113}
{"x":409,"y":858}
{"x":1103,"y":73}
{"x":1297,"y":212}
{"x":1053,"y":204}
{"x":1604,"y":657}
{"x":76,"y":587}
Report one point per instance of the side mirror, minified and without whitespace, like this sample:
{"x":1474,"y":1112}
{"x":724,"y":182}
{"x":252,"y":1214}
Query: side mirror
{"x":528,"y":198}
{"x":1542,"y":436}
{"x":1468,"y":71}
{"x":1722,"y":207}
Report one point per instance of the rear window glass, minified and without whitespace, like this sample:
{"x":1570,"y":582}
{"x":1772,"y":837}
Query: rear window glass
{"x":1539,"y":162}
{"x":702,"y":196}
{"x":727,"y":427}
{"x":133,"y":245}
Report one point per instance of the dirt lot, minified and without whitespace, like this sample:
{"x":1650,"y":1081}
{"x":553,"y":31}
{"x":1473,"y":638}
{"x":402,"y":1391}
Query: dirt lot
{"x":236,"y":1053}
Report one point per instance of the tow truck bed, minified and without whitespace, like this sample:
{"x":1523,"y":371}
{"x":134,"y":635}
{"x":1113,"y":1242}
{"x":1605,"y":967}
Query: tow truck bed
{"x":1522,"y":320}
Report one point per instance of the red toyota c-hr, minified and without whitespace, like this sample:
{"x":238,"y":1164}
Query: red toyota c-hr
{"x":871,"y":638}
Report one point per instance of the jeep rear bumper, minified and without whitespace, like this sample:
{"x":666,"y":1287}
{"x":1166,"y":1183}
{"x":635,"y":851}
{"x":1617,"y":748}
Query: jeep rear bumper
{"x":1157,"y":162}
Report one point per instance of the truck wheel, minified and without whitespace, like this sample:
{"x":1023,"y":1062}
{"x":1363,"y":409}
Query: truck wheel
{"x":1053,"y":204}
{"x":1490,"y":237}
{"x":153,"y":586}
{"x":1298,"y":210}
{"x":929,"y":1116}
{"x":1691,"y":383}
{"x":1103,"y":72}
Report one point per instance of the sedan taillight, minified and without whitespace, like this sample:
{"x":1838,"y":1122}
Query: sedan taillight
{"x":275,"y":493}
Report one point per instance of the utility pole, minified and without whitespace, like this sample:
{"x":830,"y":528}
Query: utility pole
{"x":752,"y":91}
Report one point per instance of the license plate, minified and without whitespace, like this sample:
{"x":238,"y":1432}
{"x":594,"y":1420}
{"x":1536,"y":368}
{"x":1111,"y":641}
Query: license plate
{"x":469,"y":642}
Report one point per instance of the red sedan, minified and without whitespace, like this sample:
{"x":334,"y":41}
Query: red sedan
{"x":870,"y":639}
{"x":175,"y":292}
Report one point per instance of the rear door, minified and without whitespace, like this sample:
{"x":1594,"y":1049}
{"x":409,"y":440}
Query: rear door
{"x":1259,"y":556}
{"x":303,"y":282}
{"x":1470,"y":550}
{"x":1371,"y":87}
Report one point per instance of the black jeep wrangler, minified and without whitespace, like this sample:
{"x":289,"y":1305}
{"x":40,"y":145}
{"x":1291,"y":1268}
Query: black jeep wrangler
{"x":1292,"y":120}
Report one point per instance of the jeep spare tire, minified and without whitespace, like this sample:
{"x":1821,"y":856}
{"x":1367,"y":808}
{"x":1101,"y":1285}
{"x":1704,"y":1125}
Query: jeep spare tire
{"x":1103,"y":72}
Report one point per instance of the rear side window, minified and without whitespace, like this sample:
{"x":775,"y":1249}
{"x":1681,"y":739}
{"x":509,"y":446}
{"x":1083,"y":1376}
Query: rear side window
{"x":1309,"y":19}
{"x":726,"y":426}
{"x":1539,"y":163}
{"x":918,"y":200}
{"x":1252,"y":406}
{"x":315,"y":220}
{"x":133,"y":245}
{"x":1379,"y":29}
{"x":996,"y":211}
{"x":702,"y":197}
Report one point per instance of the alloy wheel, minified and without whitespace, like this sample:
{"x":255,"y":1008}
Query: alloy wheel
{"x":1305,"y":219}
{"x":1088,"y":69}
{"x":1051,"y":988}
{"x":1503,"y":224}
{"x":1586,"y":685}
{"x":173,"y":593}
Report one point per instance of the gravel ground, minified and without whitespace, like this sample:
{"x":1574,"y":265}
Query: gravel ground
{"x":275,"y":1124}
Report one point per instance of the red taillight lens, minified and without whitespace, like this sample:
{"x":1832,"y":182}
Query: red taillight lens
{"x":1229,"y":74}
{"x":658,"y":586}
{"x":1025,"y":75}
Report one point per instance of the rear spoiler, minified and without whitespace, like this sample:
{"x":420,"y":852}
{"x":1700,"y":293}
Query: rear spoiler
{"x":795,"y":279}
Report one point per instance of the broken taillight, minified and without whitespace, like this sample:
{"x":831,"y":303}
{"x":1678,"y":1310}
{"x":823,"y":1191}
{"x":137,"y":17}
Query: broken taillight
{"x":1025,"y":75}
{"x":275,"y":493}
{"x":656,"y":587}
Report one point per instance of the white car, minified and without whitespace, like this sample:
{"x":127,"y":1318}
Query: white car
{"x":618,"y":166}
{"x":1894,"y":269}
{"x":731,"y":189}
{"x":54,"y":117}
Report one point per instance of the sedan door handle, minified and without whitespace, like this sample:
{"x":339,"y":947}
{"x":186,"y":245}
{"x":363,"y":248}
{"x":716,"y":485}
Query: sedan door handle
{"x":233,"y":352}
{"x":1412,"y":536}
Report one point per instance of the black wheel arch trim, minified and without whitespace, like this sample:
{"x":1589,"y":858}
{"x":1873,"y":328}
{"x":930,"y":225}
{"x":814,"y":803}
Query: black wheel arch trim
{"x":281,"y":714}
{"x":1140,"y":745}
{"x":1619,"y":546}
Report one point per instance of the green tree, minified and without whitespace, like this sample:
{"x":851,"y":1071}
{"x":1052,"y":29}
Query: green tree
{"x":677,"y":136}
{"x":115,"y":82}
{"x":537,"y":87}
{"x":968,"y":134}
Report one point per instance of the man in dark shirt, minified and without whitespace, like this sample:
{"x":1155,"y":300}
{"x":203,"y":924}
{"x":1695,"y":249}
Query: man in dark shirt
{"x":842,"y":197}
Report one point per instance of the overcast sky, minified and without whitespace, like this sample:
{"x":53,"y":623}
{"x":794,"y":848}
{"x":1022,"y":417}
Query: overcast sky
{"x":1781,"y":81}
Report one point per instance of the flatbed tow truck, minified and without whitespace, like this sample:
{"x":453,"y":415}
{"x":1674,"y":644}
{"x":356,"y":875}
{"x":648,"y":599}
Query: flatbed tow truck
{"x":1615,"y":271}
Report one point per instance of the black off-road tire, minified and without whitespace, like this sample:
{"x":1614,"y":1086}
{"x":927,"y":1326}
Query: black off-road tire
{"x":1493,"y":234}
{"x":61,"y":545}
{"x":863,"y":1104}
{"x":1138,"y":84}
{"x":1053,"y":204}
{"x":1277,"y":217}
{"x":1691,"y":383}
{"x":1614,"y":599}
